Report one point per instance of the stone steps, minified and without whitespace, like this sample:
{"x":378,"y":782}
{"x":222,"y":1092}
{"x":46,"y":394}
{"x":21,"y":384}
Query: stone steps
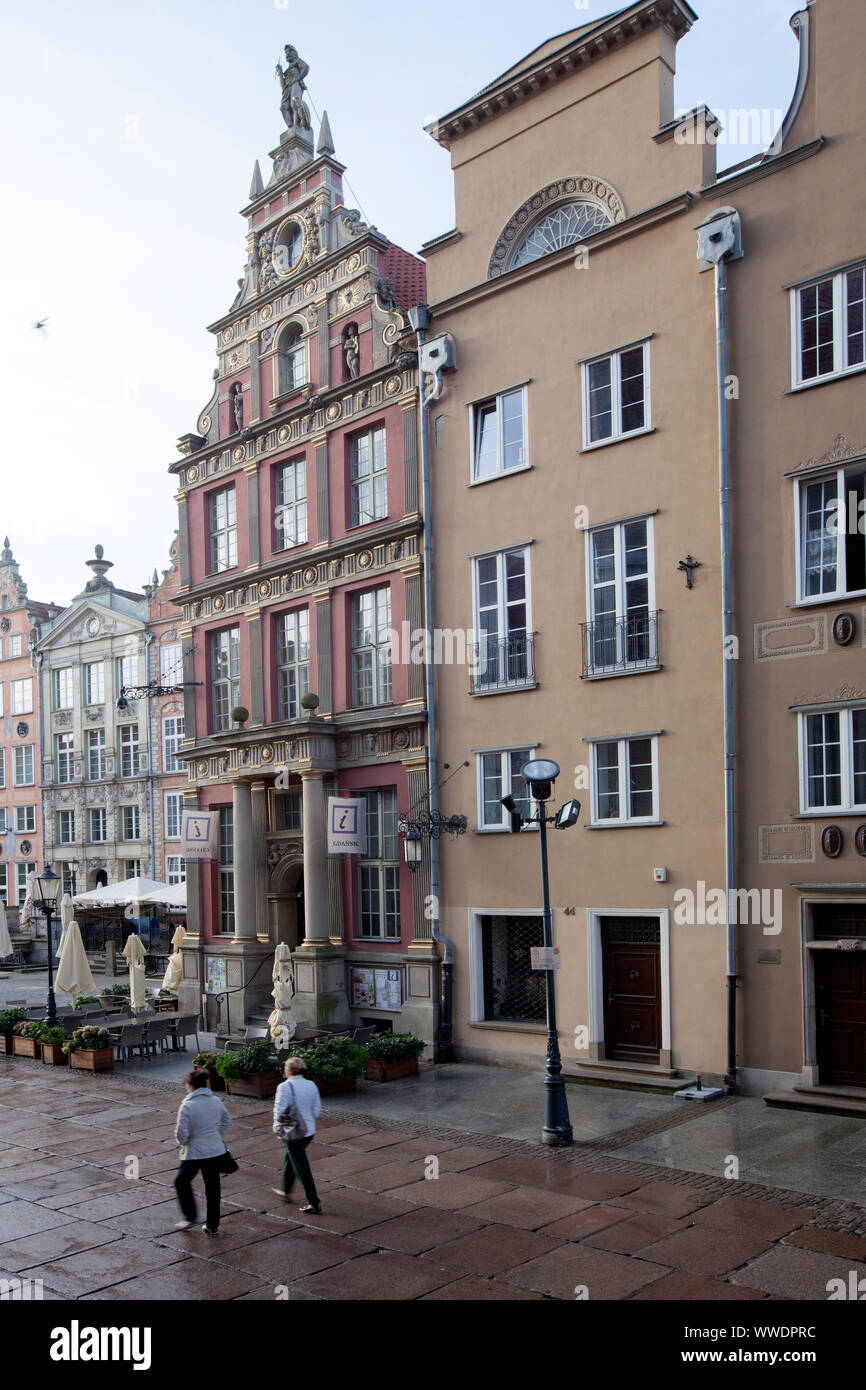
{"x":627,"y":1076}
{"x":825,"y":1100}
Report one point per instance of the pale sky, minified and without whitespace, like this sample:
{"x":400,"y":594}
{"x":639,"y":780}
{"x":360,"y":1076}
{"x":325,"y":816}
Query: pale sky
{"x":128,"y":134}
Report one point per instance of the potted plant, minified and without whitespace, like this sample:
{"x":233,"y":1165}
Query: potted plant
{"x":207,"y":1061}
{"x":310,"y":702}
{"x":240,"y":715}
{"x":90,"y":1049}
{"x":25,"y":1039}
{"x":8,"y":1019}
{"x":51,"y":1039}
{"x":251,"y":1070}
{"x":87,"y":999}
{"x":393,"y":1055}
{"x":334,"y":1065}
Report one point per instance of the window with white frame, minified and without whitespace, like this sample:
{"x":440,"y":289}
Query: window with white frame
{"x":828,"y":326}
{"x":831,"y":516}
{"x":64,"y":748}
{"x":65,"y":828}
{"x":67,"y":879}
{"x":173,"y":815}
{"x":94,"y":747}
{"x":290,"y":504}
{"x":499,"y":443}
{"x":226,"y":872}
{"x":125,"y":673}
{"x":171,"y":663}
{"x":3,"y":822}
{"x":131,"y":868}
{"x":293,"y":660}
{"x":62,"y":687}
{"x":2,"y":768}
{"x":94,"y":683}
{"x":97,"y":825}
{"x":21,"y":872}
{"x":21,"y":696}
{"x":371,"y":648}
{"x":175,"y":869}
{"x":292,"y":360}
{"x":833,"y":760}
{"x":225,"y":664}
{"x":616,"y":395}
{"x":504,"y":657}
{"x":622,"y":632}
{"x":128,"y":751}
{"x":16,"y":645}
{"x":499,"y":775}
{"x":130,"y":823}
{"x":379,"y":869}
{"x":368,"y":473}
{"x":172,"y":738}
{"x":25,"y":820}
{"x":23,"y":765}
{"x":4,"y":884}
{"x":222,"y":530}
{"x":625,"y":781}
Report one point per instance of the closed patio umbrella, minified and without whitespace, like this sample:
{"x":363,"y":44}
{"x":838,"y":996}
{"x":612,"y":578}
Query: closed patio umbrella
{"x":5,"y":939}
{"x":28,"y":909}
{"x":73,"y":975}
{"x":67,"y":912}
{"x":281,"y":1021}
{"x":173,"y":974}
{"x":134,"y":952}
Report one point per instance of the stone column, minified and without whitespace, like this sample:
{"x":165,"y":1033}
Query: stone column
{"x":323,"y":493}
{"x":315,"y":860}
{"x":252,"y":472}
{"x":257,"y":697}
{"x":324,"y":680}
{"x":324,"y":331}
{"x":410,"y":459}
{"x":259,"y":800}
{"x":255,"y":379}
{"x":244,"y":868}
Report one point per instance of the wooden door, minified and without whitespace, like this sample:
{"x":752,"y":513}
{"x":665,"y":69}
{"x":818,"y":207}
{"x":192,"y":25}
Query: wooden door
{"x":840,"y":998}
{"x":632,"y":989}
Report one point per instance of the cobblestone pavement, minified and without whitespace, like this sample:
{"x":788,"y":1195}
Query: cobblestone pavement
{"x":506,"y":1218}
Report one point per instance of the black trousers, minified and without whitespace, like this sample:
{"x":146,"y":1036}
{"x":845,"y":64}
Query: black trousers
{"x":297,"y":1165}
{"x":183,"y":1187}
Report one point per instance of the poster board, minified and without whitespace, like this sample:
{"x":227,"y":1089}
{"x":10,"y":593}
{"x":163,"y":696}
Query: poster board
{"x":376,"y":988}
{"x":216,"y":974}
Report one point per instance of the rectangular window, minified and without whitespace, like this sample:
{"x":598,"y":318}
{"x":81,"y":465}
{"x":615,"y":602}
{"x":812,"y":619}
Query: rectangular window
{"x":125,"y":673}
{"x":172,"y":738}
{"x":22,"y":768}
{"x":833,"y":760}
{"x":499,"y":776}
{"x":173,"y":814}
{"x":499,"y":442}
{"x":290,"y":504}
{"x":21,"y":696}
{"x":512,"y":989}
{"x":226,"y":874}
{"x":129,"y":762}
{"x":62,"y":687}
{"x":371,"y":648}
{"x":175,"y":869}
{"x":293,"y":660}
{"x":624,"y":781}
{"x":3,"y":825}
{"x":171,"y":664}
{"x":616,"y":395}
{"x":379,"y":870}
{"x":97,"y":825}
{"x":2,"y":768}
{"x":64,"y":769}
{"x":68,"y":882}
{"x":16,"y":645}
{"x":130,"y":823}
{"x":94,"y":742}
{"x":4,"y":884}
{"x":131,"y":868}
{"x":25,"y":820}
{"x":832,"y":534}
{"x":828,"y":326}
{"x":222,"y":530}
{"x":622,"y":632}
{"x":368,"y":477}
{"x":65,"y":827}
{"x":225,"y":665}
{"x":21,"y":872}
{"x":504,"y":656}
{"x":94,"y":683}
{"x":288,"y":811}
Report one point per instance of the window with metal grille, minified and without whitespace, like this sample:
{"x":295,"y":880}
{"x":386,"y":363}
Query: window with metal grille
{"x":226,"y":872}
{"x":512,"y":989}
{"x":293,"y":660}
{"x":379,"y":870}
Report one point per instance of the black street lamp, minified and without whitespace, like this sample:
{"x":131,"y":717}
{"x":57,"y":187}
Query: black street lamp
{"x":49,"y":888}
{"x":412,"y":845}
{"x":540,"y":776}
{"x":73,"y":869}
{"x":130,"y":693}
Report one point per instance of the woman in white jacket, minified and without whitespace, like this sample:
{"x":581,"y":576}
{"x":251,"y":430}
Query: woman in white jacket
{"x":297,"y":1091}
{"x":202,"y":1120}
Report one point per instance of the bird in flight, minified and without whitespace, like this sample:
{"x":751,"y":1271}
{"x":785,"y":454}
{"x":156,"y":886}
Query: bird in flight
{"x":41,"y":324}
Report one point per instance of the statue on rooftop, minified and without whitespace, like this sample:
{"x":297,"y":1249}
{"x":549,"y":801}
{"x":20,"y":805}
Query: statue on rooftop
{"x":295,"y":111}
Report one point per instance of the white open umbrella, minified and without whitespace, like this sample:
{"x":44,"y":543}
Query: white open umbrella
{"x":174,"y":973}
{"x":5,"y":939}
{"x":134,"y":952}
{"x":129,"y":891}
{"x":73,"y":975}
{"x":28,"y":908}
{"x":281,"y":1022}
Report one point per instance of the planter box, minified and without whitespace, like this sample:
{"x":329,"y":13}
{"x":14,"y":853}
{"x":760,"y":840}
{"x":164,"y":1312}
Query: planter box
{"x":333,"y":1088}
{"x":25,"y":1047}
{"x":6,"y":1043}
{"x":86,"y":1060}
{"x":260,"y":1085}
{"x":390,"y":1069}
{"x":53,"y":1055}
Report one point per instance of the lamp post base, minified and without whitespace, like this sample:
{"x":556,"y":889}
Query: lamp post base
{"x":557,"y":1138}
{"x":557,"y":1131}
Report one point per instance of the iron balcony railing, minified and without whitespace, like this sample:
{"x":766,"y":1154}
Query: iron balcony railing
{"x":612,"y":644}
{"x":508,"y":665}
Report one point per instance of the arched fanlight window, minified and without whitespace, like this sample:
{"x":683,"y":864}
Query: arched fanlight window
{"x":293,"y":360}
{"x":288,"y":247}
{"x":564,"y":226}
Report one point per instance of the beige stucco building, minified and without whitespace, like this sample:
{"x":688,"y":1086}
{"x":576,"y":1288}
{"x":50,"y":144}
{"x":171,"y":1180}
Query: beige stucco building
{"x":576,"y":484}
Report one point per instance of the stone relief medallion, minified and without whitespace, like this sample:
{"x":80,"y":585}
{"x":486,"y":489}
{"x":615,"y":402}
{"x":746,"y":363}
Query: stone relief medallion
{"x":310,"y":287}
{"x":201,"y":768}
{"x":365,"y":560}
{"x":234,"y":359}
{"x":227,"y":335}
{"x":224,"y":763}
{"x":283,"y":433}
{"x":344,"y":747}
{"x":393,"y":386}
{"x":353,"y":263}
{"x":311,"y":574}
{"x":239,"y":454}
{"x":265,"y":589}
{"x":844,"y":628}
{"x":192,"y":474}
{"x":219,"y":603}
{"x":401,"y":739}
{"x":267,"y":753}
{"x":832,"y":841}
{"x":860,"y":840}
{"x":334,"y":411}
{"x":267,"y":313}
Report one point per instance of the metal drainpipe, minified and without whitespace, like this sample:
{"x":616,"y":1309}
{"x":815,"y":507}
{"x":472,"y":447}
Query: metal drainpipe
{"x":719,"y":240}
{"x":420,"y":318}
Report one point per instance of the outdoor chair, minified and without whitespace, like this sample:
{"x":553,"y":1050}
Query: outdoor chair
{"x":182,"y":1028}
{"x":70,"y":1023}
{"x":115,"y":1018}
{"x":127,"y":1038}
{"x":92,"y":1009}
{"x":15,"y":1003}
{"x":362,"y":1036}
{"x":256,"y":1033}
{"x":156,"y":1036}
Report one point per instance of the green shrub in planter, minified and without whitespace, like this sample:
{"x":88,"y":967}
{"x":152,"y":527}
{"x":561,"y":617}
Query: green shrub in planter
{"x":254,"y":1058}
{"x":27,"y":1030}
{"x":87,"y":999}
{"x":332,"y":1060}
{"x":206,"y":1059}
{"x":51,"y":1033}
{"x":113,"y":992}
{"x":88,"y":1040}
{"x":394,"y":1047}
{"x":9,"y":1017}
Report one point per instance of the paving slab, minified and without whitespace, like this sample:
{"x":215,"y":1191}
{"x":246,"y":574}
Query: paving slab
{"x":598,"y":1187}
{"x":791,"y":1272}
{"x":493,"y":1249}
{"x":688,"y":1288}
{"x":284,"y":1258}
{"x":706,"y":1250}
{"x":585,"y":1223}
{"x":376,"y":1139}
{"x":152,"y":1221}
{"x":665,"y":1198}
{"x":451,"y":1190}
{"x":60,"y":1184}
{"x":525,"y":1170}
{"x":571,"y":1268}
{"x":527,"y":1207}
{"x":97,"y":1268}
{"x":386,"y":1176}
{"x":386,"y":1276}
{"x":473,"y":1290}
{"x":829,"y":1242}
{"x":629,"y":1236}
{"x":190,"y":1280}
{"x":237,"y":1228}
{"x":458,"y":1160}
{"x":25,"y":1218}
{"x":771,"y":1219}
{"x":344,"y":1163}
{"x":54,"y":1243}
{"x":127,"y":1197}
{"x":345,"y":1212}
{"x":420,"y":1229}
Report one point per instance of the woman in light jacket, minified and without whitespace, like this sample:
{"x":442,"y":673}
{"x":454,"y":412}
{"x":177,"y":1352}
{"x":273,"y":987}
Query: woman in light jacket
{"x":201,"y":1122}
{"x":304,"y":1095}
